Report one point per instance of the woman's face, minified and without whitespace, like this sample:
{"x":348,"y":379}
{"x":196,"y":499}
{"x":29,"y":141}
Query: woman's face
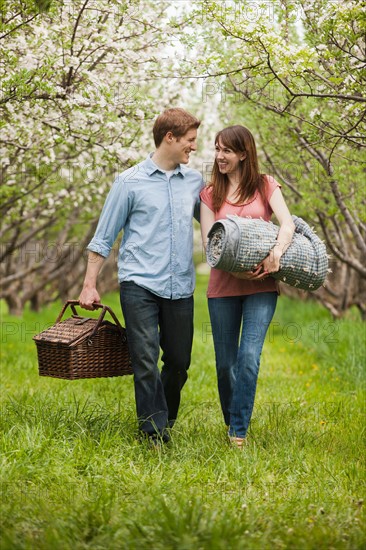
{"x":227,"y":160}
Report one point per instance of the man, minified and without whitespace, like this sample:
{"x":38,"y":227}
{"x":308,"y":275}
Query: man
{"x":154,"y":202}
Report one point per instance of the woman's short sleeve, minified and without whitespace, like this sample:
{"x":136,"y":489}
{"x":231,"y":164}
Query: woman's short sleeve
{"x":206,"y":196}
{"x":271,"y":186}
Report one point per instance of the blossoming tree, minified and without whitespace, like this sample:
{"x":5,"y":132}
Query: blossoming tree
{"x":78,"y":80}
{"x":293,"y":71}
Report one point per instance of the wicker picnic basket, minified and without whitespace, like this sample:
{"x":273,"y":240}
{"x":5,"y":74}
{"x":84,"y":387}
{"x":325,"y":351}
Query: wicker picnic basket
{"x":82,"y":347}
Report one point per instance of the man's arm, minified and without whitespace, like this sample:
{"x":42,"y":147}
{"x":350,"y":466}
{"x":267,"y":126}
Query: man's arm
{"x":89,"y":293}
{"x":196,"y":211}
{"x":111,"y":221}
{"x":197,"y":206}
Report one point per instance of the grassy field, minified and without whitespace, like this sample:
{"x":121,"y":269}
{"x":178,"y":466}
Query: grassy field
{"x":73,"y":475}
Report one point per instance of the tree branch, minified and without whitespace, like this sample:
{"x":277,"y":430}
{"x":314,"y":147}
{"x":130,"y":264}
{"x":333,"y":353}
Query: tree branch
{"x":352,"y":262}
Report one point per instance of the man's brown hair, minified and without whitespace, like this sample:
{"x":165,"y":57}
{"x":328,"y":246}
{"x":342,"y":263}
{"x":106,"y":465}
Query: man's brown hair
{"x":177,"y":121}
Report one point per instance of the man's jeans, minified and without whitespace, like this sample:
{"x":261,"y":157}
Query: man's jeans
{"x":152,"y":321}
{"x":237,"y":357}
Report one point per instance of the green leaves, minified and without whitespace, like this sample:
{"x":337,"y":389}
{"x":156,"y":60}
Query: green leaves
{"x":43,"y":5}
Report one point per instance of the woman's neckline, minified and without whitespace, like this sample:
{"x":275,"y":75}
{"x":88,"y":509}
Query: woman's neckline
{"x":243,"y":204}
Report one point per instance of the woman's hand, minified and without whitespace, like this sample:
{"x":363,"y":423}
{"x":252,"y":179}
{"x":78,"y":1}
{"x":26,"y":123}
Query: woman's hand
{"x":258,"y":274}
{"x":271,"y":264}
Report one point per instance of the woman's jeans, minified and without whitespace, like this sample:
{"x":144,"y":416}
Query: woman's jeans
{"x":153,"y":322}
{"x":238,"y":356}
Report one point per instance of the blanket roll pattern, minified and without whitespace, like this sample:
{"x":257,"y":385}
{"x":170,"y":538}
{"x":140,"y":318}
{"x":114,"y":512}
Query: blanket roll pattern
{"x":239,"y":244}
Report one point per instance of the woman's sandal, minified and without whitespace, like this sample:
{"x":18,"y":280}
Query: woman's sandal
{"x":238,"y":442}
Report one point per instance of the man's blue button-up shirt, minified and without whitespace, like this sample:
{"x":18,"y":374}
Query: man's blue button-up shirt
{"x":156,"y":213}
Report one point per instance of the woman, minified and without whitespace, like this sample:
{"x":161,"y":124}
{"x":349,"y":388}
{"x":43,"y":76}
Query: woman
{"x":241,"y":300}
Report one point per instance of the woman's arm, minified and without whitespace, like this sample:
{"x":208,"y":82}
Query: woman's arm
{"x":271,"y":264}
{"x":207,"y":221}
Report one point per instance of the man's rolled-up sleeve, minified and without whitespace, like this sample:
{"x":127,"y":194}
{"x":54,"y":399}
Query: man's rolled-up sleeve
{"x":112,"y":219}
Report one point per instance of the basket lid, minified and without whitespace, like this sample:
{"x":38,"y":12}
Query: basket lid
{"x":67,"y":331}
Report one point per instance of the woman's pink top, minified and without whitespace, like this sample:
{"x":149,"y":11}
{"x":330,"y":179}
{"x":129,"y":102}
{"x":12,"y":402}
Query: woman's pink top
{"x":222,"y":283}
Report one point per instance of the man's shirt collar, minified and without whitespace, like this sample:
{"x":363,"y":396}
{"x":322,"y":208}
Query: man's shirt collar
{"x":151,"y":167}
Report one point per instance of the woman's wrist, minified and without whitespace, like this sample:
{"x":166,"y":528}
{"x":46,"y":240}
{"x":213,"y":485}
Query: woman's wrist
{"x":280,"y":247}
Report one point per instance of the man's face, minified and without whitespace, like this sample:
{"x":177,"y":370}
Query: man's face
{"x":182,"y":147}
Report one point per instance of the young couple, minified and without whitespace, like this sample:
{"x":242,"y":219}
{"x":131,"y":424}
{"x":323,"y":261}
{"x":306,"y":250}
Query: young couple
{"x":154,"y":203}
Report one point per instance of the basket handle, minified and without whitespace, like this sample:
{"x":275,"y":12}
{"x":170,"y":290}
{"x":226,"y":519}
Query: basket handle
{"x":104,"y":308}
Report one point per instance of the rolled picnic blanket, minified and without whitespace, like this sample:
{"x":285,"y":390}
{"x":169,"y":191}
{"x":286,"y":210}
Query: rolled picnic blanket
{"x":239,"y":244}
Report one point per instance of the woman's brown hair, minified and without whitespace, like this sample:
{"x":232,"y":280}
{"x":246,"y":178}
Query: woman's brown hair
{"x":240,"y":140}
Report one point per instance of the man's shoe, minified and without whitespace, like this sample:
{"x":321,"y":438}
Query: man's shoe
{"x":155,"y":443}
{"x":156,"y":440}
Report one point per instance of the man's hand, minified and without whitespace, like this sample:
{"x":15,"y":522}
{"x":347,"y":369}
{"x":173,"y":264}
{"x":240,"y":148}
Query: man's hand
{"x":88,"y":297}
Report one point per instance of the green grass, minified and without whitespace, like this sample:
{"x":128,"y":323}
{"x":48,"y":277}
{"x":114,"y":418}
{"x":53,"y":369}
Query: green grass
{"x":73,"y":475}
